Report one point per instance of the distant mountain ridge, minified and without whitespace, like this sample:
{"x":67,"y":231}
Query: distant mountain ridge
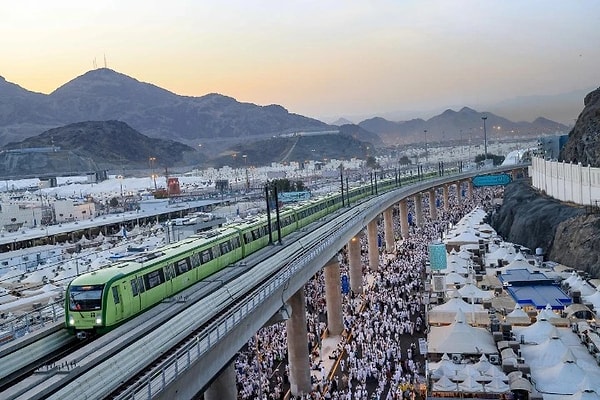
{"x":219,"y":122}
{"x":460,"y":125}
{"x":103,"y":94}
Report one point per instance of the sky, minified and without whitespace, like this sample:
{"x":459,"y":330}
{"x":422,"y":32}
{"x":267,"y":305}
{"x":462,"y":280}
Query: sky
{"x":324,"y":59}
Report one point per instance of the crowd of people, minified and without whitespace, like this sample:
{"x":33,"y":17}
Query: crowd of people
{"x":378,"y":355}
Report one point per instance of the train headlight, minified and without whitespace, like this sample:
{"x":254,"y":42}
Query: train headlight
{"x":71,"y":321}
{"x":98,"y":320}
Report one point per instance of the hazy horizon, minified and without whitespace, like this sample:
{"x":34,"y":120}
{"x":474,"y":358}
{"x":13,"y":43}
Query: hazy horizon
{"x":324,"y":60}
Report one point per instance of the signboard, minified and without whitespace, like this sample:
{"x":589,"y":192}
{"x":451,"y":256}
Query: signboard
{"x":345,"y":284}
{"x":437,"y":256}
{"x":491,"y":180}
{"x":290,"y":197}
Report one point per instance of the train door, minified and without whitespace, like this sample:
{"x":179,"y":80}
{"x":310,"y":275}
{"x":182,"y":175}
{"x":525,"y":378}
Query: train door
{"x":118,"y":301}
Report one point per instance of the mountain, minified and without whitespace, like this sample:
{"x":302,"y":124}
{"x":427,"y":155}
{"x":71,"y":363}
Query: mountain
{"x":583,"y":144}
{"x":103,"y":94}
{"x":462,"y":125}
{"x":108,"y":144}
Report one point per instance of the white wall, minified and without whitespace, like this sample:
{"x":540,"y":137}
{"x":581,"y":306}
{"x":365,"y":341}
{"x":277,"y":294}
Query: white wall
{"x":566,"y":182}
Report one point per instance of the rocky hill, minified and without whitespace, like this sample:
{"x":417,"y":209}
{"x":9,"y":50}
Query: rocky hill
{"x":567,"y":233}
{"x":109,"y":144}
{"x":583,"y":145}
{"x":458,"y":126}
{"x":103,"y":94}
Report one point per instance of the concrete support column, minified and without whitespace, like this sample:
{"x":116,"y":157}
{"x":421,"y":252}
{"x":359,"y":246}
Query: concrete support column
{"x":469,"y":189}
{"x":224,"y":386}
{"x":432,"y":205}
{"x":297,"y":336}
{"x":388,"y":229}
{"x":419,"y":209}
{"x":355,"y":265}
{"x":404,"y":218}
{"x":333,"y":297}
{"x":373,"y":245}
{"x":446,"y":197}
{"x":458,"y":190}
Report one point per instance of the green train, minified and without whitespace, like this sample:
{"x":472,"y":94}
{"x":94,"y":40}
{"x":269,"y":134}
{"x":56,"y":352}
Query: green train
{"x":98,"y":301}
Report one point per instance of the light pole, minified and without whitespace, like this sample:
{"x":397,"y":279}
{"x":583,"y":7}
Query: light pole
{"x":152,"y":160}
{"x":426,"y":152}
{"x":484,"y":117}
{"x":245,"y":156}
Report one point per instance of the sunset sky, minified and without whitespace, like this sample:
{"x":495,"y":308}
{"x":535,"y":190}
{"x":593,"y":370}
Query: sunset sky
{"x":324,"y":59}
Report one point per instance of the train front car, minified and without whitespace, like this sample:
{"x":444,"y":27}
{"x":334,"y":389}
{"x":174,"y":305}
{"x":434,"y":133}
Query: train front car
{"x":84,"y":314}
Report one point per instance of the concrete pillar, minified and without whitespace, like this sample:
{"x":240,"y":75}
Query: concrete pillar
{"x":432,"y":205}
{"x":355,"y":265}
{"x":469,"y":189}
{"x":404,"y":218}
{"x":388,"y":230}
{"x":373,"y":245}
{"x":458,"y":194}
{"x":446,"y":197}
{"x":297,"y":336}
{"x":333,"y":297}
{"x":419,"y":209}
{"x":224,"y":386}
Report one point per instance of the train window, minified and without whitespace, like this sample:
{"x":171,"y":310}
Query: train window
{"x":247,"y":237}
{"x":216,"y":251}
{"x":255,"y":234}
{"x":154,"y":278}
{"x":85,"y":298}
{"x":225,"y":247}
{"x":195,"y":260}
{"x":115,"y":292}
{"x":134,"y":287}
{"x":206,"y":256}
{"x":182,"y":266}
{"x":235,"y":242}
{"x":140,"y":285}
{"x":169,"y":272}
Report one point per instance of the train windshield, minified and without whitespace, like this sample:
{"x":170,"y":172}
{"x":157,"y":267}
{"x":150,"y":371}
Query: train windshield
{"x":85,"y":298}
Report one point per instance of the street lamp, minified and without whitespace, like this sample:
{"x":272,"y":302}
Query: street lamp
{"x":152,"y":160}
{"x":245,"y":157}
{"x":426,"y":153}
{"x":484,"y":117}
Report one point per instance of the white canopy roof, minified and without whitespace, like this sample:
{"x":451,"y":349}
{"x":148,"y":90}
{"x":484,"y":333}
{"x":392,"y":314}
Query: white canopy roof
{"x":460,"y":337}
{"x":473,"y":292}
{"x":538,"y":332}
{"x":562,"y":378}
{"x":446,"y":313}
{"x":518,"y":316}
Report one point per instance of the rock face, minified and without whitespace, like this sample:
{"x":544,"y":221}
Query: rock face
{"x":583,"y":145}
{"x":567,"y":233}
{"x":577,"y":243}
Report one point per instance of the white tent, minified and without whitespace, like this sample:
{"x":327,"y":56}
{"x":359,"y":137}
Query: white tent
{"x":466,"y":237}
{"x":538,"y":332}
{"x":460,"y":337}
{"x":471,"y":291}
{"x":594,"y":299}
{"x":547,"y":313}
{"x":562,"y":378}
{"x":444,"y":384}
{"x":455,"y":279}
{"x":518,"y":316}
{"x":546,"y":354}
{"x":446,"y":313}
{"x":497,"y":385}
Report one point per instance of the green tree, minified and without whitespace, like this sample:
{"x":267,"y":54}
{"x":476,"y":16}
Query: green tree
{"x":372,"y":163}
{"x":497,"y":159}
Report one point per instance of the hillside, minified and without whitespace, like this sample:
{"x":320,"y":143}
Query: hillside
{"x":103,"y":94}
{"x":109,"y":144}
{"x":583,"y":145}
{"x":462,"y":126}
